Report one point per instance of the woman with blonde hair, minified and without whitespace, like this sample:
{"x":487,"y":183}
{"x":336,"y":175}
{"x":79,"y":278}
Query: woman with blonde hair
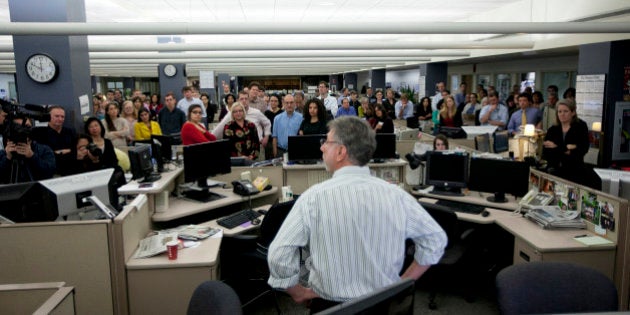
{"x":449,"y":116}
{"x":242,"y":134}
{"x":130,"y":114}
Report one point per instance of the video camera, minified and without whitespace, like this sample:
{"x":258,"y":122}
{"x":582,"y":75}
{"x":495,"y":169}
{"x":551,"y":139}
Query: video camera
{"x":18,"y":133}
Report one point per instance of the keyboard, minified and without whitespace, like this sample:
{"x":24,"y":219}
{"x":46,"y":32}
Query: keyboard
{"x":461,"y":206}
{"x":238,"y":218}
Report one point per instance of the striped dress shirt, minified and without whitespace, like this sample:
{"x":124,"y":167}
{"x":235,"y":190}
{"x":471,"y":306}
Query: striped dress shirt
{"x":354,"y":226}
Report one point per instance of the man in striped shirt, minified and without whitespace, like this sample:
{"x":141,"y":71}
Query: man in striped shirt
{"x":354,"y":226}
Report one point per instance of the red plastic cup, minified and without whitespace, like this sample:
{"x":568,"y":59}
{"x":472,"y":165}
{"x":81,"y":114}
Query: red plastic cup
{"x":171,"y":249}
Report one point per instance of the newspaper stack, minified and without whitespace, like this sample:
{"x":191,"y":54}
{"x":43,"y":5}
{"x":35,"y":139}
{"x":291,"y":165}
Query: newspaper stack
{"x":552,"y":217}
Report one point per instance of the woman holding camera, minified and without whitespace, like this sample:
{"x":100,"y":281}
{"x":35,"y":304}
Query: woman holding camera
{"x":95,"y":129}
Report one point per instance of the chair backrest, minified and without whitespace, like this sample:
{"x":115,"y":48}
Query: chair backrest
{"x":273,"y":221}
{"x":397,"y":298}
{"x":214,"y":297}
{"x":482,"y":142}
{"x":446,"y":218}
{"x":554,"y":287}
{"x":501,"y":141}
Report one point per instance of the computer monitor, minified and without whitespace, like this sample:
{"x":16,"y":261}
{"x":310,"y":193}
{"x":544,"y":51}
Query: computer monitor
{"x":205,"y":160}
{"x":452,"y":132}
{"x":501,"y":141}
{"x":165,"y":144}
{"x":68,"y":192}
{"x":26,"y":202}
{"x":447,"y":172}
{"x":305,"y":149}
{"x":397,"y":298}
{"x":385,"y":147}
{"x":141,"y":160}
{"x":499,"y":176}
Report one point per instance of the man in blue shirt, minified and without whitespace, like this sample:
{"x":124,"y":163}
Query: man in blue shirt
{"x":404,"y":107}
{"x":533,"y":116}
{"x":346,"y":109}
{"x":494,"y":114}
{"x":285,"y":125}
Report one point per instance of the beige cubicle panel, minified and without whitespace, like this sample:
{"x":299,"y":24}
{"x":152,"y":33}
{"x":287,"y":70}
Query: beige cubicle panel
{"x":77,"y":253}
{"x":37,"y":298}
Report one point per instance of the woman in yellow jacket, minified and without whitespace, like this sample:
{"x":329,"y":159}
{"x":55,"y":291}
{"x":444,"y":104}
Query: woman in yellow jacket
{"x":145,"y":127}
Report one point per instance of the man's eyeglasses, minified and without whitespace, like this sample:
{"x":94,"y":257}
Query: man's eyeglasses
{"x":325,"y":141}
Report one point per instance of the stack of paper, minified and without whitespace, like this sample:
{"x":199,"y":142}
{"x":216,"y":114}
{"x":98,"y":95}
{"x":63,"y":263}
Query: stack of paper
{"x":551,"y":217}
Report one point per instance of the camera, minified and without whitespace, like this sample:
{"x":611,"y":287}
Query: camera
{"x":17,"y":133}
{"x":94,"y":150}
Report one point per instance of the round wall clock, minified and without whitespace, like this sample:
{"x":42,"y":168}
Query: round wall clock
{"x":41,"y":68}
{"x":170,"y":70}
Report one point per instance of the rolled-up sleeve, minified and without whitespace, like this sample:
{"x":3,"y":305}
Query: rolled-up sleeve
{"x":283,"y":256}
{"x":429,"y":238}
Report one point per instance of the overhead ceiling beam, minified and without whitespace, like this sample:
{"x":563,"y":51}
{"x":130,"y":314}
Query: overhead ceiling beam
{"x":279,"y":54}
{"x":310,"y":45}
{"x":402,"y":27}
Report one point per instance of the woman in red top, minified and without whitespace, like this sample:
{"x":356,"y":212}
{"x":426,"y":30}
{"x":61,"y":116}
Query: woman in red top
{"x":193,"y":130}
{"x":449,"y":115}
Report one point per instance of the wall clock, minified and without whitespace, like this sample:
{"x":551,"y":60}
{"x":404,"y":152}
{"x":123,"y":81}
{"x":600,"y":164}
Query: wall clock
{"x":41,"y":68}
{"x":170,"y":70}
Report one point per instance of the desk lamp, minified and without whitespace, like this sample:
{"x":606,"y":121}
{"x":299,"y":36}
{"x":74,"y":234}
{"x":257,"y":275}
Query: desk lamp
{"x":527,"y":144}
{"x":414,"y":162}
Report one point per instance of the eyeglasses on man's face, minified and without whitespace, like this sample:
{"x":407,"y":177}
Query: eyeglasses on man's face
{"x":325,"y":141}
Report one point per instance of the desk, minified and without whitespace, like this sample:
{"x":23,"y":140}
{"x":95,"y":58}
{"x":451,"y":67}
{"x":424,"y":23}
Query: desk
{"x":472,"y":197}
{"x":181,"y":207}
{"x":532,"y":243}
{"x":301,"y":177}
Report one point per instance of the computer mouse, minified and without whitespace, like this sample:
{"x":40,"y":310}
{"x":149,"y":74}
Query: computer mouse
{"x":262,"y":211}
{"x":256,"y":222}
{"x":485,"y":213}
{"x":268,"y":187}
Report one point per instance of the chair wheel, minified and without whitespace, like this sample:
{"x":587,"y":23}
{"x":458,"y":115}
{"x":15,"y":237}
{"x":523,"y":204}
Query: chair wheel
{"x":433,"y":305}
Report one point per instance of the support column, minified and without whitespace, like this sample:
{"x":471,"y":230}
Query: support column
{"x":378,"y":80}
{"x":173,"y":83}
{"x":350,"y":81}
{"x":70,"y":54}
{"x":611,"y":59}
{"x":433,"y":72}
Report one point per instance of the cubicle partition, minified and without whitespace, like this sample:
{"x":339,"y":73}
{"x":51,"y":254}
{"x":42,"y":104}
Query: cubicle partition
{"x":606,"y":215}
{"x":77,"y":253}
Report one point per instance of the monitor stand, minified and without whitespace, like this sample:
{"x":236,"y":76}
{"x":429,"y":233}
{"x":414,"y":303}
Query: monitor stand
{"x":447,"y":191}
{"x":498,"y":197}
{"x":201,"y":192}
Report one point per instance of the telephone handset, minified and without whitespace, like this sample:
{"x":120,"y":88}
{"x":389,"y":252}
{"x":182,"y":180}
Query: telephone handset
{"x":534,"y":198}
{"x":244,"y":188}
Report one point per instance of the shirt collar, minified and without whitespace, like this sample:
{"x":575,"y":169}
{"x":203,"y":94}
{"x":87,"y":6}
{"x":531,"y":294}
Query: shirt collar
{"x":352,"y":170}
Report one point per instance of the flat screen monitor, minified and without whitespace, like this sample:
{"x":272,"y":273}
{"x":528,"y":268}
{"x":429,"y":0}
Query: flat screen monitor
{"x":452,"y":132}
{"x":501,"y":141}
{"x":27,"y":202}
{"x":385,"y":147}
{"x":447,"y":172}
{"x":68,"y":191}
{"x":397,"y":298}
{"x":499,"y":177}
{"x":305,"y":149}
{"x":205,"y":160}
{"x":165,"y":144}
{"x":141,"y":160}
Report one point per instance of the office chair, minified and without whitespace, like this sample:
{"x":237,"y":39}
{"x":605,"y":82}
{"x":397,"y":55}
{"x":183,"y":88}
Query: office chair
{"x":452,"y":262}
{"x":482,"y":142}
{"x":214,"y":297}
{"x":244,"y":257}
{"x":554,"y":287}
{"x":501,"y":141}
{"x":397,"y":298}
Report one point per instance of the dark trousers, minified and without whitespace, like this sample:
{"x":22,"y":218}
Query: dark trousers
{"x":319,"y":304}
